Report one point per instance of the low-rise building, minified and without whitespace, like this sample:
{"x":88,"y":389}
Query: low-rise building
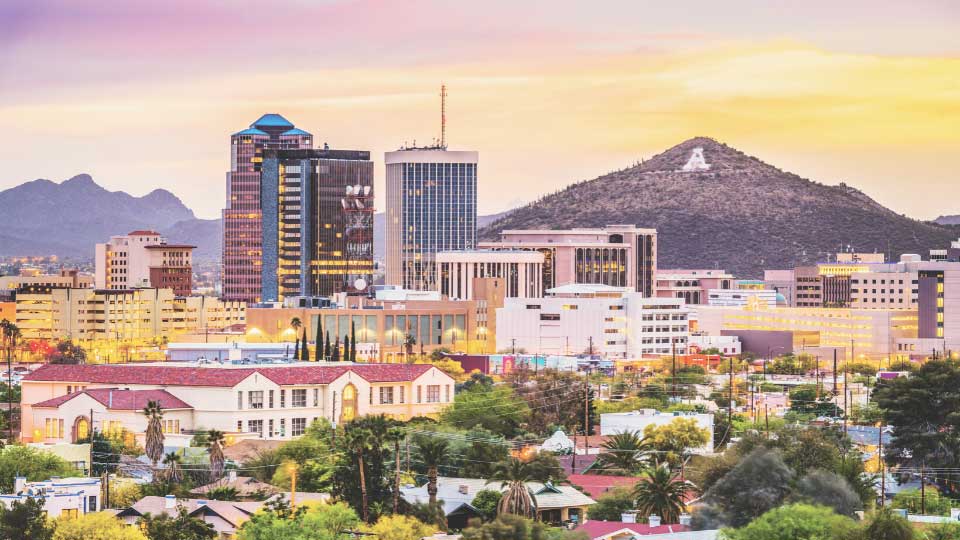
{"x":520,"y":270}
{"x":637,"y":421}
{"x":726,"y":345}
{"x":271,"y":401}
{"x":225,"y":516}
{"x":742,"y":297}
{"x":693,"y":286}
{"x":62,"y":497}
{"x":29,"y":281}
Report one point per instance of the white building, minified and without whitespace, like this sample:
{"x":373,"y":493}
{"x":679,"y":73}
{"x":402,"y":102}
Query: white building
{"x":68,"y":497}
{"x":741,"y":297}
{"x":727,"y":345}
{"x":143,"y":259}
{"x":271,"y":401}
{"x":521,"y":272}
{"x":615,"y":322}
{"x":637,"y":421}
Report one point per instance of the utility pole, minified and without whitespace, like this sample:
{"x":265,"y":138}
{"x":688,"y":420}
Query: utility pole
{"x":845,"y":397}
{"x":923,"y":490}
{"x":730,"y":404}
{"x":90,"y":432}
{"x":834,"y":372}
{"x":673,"y":373}
{"x":883,"y":473}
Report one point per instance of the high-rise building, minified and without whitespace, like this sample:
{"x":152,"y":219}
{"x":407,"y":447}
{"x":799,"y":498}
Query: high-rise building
{"x":317,"y":215}
{"x":242,"y":220}
{"x":143,"y":259}
{"x":431,"y":207}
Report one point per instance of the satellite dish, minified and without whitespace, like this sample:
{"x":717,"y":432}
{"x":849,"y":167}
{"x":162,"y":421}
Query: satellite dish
{"x":360,"y":284}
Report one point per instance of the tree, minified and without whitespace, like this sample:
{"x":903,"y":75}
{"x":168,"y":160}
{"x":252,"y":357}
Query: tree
{"x":508,"y":527}
{"x":181,"y":526}
{"x":397,"y":527}
{"x":353,"y":342}
{"x":154,"y":435}
{"x":661,"y":492}
{"x":611,"y":505}
{"x":807,"y":399}
{"x":215,"y":442}
{"x":933,"y":503}
{"x":94,"y":526}
{"x":106,"y":455}
{"x":124,"y":493}
{"x":305,"y":349}
{"x":33,"y":463}
{"x":295,"y":323}
{"x":375,"y":469}
{"x":11,"y":333}
{"x":432,"y":452}
{"x":943,"y":531}
{"x":883,"y":524}
{"x":450,"y":367}
{"x":622,"y":454}
{"x":68,"y":353}
{"x":517,"y":499}
{"x":758,"y":483}
{"x":173,"y":472}
{"x":824,"y":488}
{"x":672,"y":441}
{"x":494,"y":408}
{"x":24,"y":520}
{"x":359,"y":441}
{"x":326,"y":347}
{"x":336,"y":350}
{"x":318,"y":338}
{"x":545,"y":467}
{"x":486,"y":502}
{"x":797,"y":522}
{"x":307,"y":522}
{"x":486,"y":449}
{"x":312,"y":457}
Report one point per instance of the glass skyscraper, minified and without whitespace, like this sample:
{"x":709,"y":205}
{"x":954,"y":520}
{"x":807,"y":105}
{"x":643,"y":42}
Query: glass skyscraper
{"x":431,"y":207}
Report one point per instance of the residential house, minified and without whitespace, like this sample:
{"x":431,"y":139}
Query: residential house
{"x":68,"y":497}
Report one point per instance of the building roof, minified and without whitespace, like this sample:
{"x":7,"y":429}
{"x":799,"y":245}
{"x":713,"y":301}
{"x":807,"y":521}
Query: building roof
{"x":586,"y":288}
{"x":457,"y":492}
{"x":252,"y":131}
{"x":247,"y":449}
{"x":295,"y":131}
{"x":246,"y":486}
{"x":595,"y":485}
{"x":271,"y":120}
{"x":234,"y":513}
{"x":222,"y":376}
{"x":143,"y":232}
{"x":602,"y":529}
{"x":122,"y":400}
{"x":171,"y":246}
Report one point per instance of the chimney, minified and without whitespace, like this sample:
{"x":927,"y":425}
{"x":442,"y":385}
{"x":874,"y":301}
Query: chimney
{"x":232,"y":475}
{"x":628,"y":517}
{"x":653,"y":520}
{"x":169,"y":501}
{"x":686,"y":520}
{"x":464,"y":489}
{"x":19,"y":483}
{"x":110,"y":400}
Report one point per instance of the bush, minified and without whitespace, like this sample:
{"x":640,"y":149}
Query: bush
{"x":612,"y":504}
{"x":797,"y":522}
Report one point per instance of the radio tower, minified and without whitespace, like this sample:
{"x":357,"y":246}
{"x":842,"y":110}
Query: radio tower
{"x":443,"y":116}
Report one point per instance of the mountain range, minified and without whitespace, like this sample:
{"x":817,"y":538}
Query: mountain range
{"x":716,"y":207}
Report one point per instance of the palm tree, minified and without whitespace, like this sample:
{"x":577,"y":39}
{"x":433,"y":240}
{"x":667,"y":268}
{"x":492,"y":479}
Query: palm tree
{"x":359,"y":440}
{"x":396,"y":436}
{"x":174,"y":472}
{"x":295,"y":323}
{"x":517,"y":499}
{"x":215,"y":441}
{"x":154,"y":436}
{"x":433,"y":452}
{"x":10,"y":335}
{"x":661,"y":492}
{"x":623,"y":454}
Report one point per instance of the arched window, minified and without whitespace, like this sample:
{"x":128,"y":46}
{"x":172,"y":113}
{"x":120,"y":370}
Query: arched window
{"x":348,"y":402}
{"x":81,"y":428}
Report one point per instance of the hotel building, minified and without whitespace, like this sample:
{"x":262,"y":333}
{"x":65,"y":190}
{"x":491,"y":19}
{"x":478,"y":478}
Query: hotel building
{"x":317,"y":222}
{"x":143,"y":259}
{"x":521,"y":272}
{"x":431,"y":207}
{"x":614,"y":322}
{"x":615,"y":255}
{"x":242,"y":222}
{"x":266,"y":401}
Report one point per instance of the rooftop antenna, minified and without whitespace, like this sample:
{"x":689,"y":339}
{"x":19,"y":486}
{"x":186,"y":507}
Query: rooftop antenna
{"x":443,"y":116}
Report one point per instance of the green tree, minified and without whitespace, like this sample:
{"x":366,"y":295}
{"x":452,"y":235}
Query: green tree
{"x":397,"y":527}
{"x":806,"y":399}
{"x":296,"y":324}
{"x":867,"y":414}
{"x":308,"y":522}
{"x":154,"y":434}
{"x":353,"y":342}
{"x":486,"y":449}
{"x":215,"y":442}
{"x":94,"y":526}
{"x":336,"y":350}
{"x":223,"y":493}
{"x":312,"y":456}
{"x":364,"y":464}
{"x":494,"y":408}
{"x":661,"y":492}
{"x":177,"y":527}
{"x":25,"y":520}
{"x":486,"y":502}
{"x":517,"y":499}
{"x":883,"y":524}
{"x":509,"y":527}
{"x":828,"y":489}
{"x":672,"y":441}
{"x":943,"y":531}
{"x":797,"y":522}
{"x":106,"y":455}
{"x":68,"y":353}
{"x":305,"y":349}
{"x":173,"y":472}
{"x":318,"y":338}
{"x":33,"y":463}
{"x":933,"y":503}
{"x":611,"y":505}
{"x":432,"y":452}
{"x":757,"y":484}
{"x":622,"y":454}
{"x":327,"y":353}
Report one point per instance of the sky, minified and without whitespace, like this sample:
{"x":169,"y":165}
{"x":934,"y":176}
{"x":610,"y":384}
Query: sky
{"x":144,"y":95}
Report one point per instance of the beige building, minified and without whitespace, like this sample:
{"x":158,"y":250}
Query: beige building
{"x":85,"y":315}
{"x":521,"y":272}
{"x":264,"y":401}
{"x":143,"y":259}
{"x":34,"y":281}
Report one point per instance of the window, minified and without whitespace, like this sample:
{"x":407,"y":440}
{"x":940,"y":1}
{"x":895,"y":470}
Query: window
{"x":240,"y":400}
{"x":271,"y":398}
{"x":92,"y":503}
{"x":255,"y":426}
{"x":401,"y":394}
{"x":54,"y":428}
{"x":298,"y":426}
{"x":446,"y":396}
{"x":386,"y":395}
{"x":298,"y":397}
{"x":433,"y":393}
{"x":270,"y":428}
{"x":316,"y":397}
{"x":171,"y":426}
{"x":239,"y":426}
{"x":283,"y":428}
{"x":255,"y":399}
{"x":419,"y":394}
{"x":69,"y":513}
{"x":549,"y":316}
{"x":283,"y":398}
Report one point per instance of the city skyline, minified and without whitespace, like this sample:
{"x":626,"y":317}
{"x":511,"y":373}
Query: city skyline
{"x":859,"y":93}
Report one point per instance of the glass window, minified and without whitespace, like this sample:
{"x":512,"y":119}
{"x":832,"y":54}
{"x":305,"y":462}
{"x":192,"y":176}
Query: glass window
{"x":240,"y":400}
{"x":298,"y":426}
{"x":298,"y":397}
{"x":316,"y":397}
{"x":271,"y":398}
{"x":283,"y":398}
{"x":386,"y":395}
{"x":255,"y":399}
{"x":433,"y":393}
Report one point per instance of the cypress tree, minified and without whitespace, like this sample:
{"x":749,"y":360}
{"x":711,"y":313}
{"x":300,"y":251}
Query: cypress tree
{"x":296,"y":349}
{"x":319,"y":337}
{"x":304,"y":349}
{"x":326,"y":346}
{"x":336,"y":350}
{"x":353,"y":342}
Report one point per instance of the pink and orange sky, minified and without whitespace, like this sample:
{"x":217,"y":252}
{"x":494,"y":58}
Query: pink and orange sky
{"x":145,"y":94}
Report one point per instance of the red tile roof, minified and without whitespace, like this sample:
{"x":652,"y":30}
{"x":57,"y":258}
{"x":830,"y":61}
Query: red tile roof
{"x":599,"y":529}
{"x":221,"y":377}
{"x":595,"y":485}
{"x":170,"y":246}
{"x":143,"y":232}
{"x":122,"y":400}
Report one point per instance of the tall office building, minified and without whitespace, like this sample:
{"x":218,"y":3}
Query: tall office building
{"x":317,"y":208}
{"x":242,"y":220}
{"x":431,"y":207}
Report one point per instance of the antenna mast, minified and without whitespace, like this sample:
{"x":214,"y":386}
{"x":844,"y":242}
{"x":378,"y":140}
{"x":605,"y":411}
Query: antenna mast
{"x":443,"y":116}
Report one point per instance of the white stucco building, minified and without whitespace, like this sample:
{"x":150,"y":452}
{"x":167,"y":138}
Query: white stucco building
{"x":67,"y":497}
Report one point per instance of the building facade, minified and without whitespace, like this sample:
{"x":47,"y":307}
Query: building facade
{"x":62,"y":497}
{"x":269,"y":402}
{"x":143,"y":259}
{"x":317,"y":222}
{"x":692,"y":285}
{"x":520,"y":270}
{"x":614,"y":322}
{"x":615,"y":255}
{"x":242,"y":220}
{"x":431,"y":207}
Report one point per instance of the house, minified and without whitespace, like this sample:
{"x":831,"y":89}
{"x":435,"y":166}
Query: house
{"x":226,"y":517}
{"x":596,"y":485}
{"x":61,"y":496}
{"x":624,"y":530}
{"x":637,"y":422}
{"x":246,"y":487}
{"x":555,"y":504}
{"x":268,"y":401}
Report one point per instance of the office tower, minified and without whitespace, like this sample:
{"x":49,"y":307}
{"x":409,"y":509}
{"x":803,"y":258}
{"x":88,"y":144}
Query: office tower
{"x":242,"y":223}
{"x":317,"y":214}
{"x":431,"y":207}
{"x":143,"y":259}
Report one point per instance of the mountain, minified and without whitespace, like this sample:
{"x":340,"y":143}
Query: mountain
{"x":948,"y":220}
{"x":42,"y":217}
{"x":380,"y":230}
{"x":715,"y":206}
